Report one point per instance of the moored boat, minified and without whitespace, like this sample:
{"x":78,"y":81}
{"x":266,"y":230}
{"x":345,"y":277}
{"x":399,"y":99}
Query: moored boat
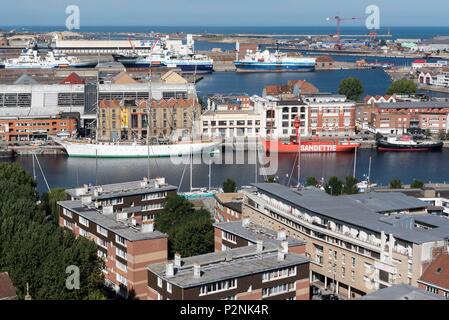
{"x":133,"y":150}
{"x":407,"y":143}
{"x":6,"y":153}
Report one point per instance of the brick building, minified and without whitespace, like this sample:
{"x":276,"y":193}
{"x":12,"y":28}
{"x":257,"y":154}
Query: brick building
{"x":228,"y":206}
{"x":260,"y":272}
{"x":119,"y":219}
{"x":28,"y":129}
{"x":435,"y":278}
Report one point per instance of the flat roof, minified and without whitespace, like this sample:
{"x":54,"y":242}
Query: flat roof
{"x":352,"y":210}
{"x":120,"y":189}
{"x":414,"y":105}
{"x":253,"y":232}
{"x":109,"y":221}
{"x":233,"y":200}
{"x":229,"y":264}
{"x":401,"y":292}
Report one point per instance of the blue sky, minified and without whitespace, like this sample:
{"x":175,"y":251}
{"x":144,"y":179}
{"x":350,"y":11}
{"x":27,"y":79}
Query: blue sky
{"x":221,"y":12}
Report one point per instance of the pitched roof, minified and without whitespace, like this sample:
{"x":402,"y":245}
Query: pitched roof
{"x":304,"y":86}
{"x":173,"y":77}
{"x":25,"y":79}
{"x":123,"y":78}
{"x":401,"y":292}
{"x":7,"y":289}
{"x":437,"y":273}
{"x":73,"y":78}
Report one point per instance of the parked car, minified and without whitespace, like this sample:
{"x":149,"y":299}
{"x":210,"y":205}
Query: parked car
{"x":329,"y":297}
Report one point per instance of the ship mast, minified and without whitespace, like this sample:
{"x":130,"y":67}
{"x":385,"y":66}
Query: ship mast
{"x":297,"y":125}
{"x":150,"y":102}
{"x":191,"y":142}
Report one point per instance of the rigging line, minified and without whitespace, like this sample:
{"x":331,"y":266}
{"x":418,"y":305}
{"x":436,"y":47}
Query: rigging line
{"x":42,"y":172}
{"x":293,"y":168}
{"x":182,"y":177}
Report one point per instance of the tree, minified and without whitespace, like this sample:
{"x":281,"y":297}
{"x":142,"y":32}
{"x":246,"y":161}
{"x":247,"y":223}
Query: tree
{"x":36,"y":251}
{"x":417,"y":184}
{"x":395,"y":184}
{"x":190,"y":231}
{"x":334,"y":186}
{"x":229,"y":186}
{"x":49,"y":202}
{"x":311,"y":182}
{"x":350,"y":186}
{"x":352,"y":88}
{"x":402,"y":86}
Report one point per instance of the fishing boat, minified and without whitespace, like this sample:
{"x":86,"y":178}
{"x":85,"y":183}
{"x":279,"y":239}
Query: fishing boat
{"x":407,"y":143}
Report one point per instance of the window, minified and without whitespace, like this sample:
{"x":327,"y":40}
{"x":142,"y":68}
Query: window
{"x":151,"y":207}
{"x":154,"y":195}
{"x":84,"y":233}
{"x":432,"y":289}
{"x":121,"y":266}
{"x":120,"y":240}
{"x":229,"y":237}
{"x":121,"y":253}
{"x":353,"y":262}
{"x":352,"y":275}
{"x":122,"y":279}
{"x":67,"y":213}
{"x":84,"y":221}
{"x":159,"y":282}
{"x":218,"y":287}
{"x":282,"y":288}
{"x":343,"y":271}
{"x":101,"y":254}
{"x":279,"y":274}
{"x":68,"y":224}
{"x":102,"y":231}
{"x":169,"y":287}
{"x":343,"y":259}
{"x":102,"y":243}
{"x":113,"y":201}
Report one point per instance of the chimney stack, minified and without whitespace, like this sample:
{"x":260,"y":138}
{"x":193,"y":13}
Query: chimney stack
{"x":282,"y":235}
{"x":147,"y":227}
{"x":259,"y":246}
{"x":177,"y":260}
{"x":284,"y":246}
{"x":281,"y":255}
{"x":246,"y":222}
{"x":197,"y":270}
{"x":170,"y":270}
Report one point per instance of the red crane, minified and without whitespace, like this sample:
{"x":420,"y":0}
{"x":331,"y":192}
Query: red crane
{"x":339,"y":22}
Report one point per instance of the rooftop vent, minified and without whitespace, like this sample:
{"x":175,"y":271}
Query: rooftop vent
{"x":246,"y":222}
{"x":108,"y":210}
{"x":282,"y":235}
{"x":197,"y":270}
{"x":259,"y":246}
{"x":284,"y":246}
{"x":177,"y":260}
{"x":169,"y":270}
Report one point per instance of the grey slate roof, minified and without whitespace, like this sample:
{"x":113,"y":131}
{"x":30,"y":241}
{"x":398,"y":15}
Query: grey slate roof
{"x":350,"y":210}
{"x":401,"y":292}
{"x":122,"y":189}
{"x":25,"y":79}
{"x":110,"y":222}
{"x":227,"y":264}
{"x":255,"y":232}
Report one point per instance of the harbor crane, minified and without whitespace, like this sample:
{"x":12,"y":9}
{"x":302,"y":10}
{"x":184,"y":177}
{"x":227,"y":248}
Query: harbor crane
{"x":339,"y":21}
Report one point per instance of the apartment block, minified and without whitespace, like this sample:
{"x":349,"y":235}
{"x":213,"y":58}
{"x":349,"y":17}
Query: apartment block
{"x":125,"y":243}
{"x":357,"y":244}
{"x":145,"y":198}
{"x":228,"y":206}
{"x":260,"y":272}
{"x":236,"y":234}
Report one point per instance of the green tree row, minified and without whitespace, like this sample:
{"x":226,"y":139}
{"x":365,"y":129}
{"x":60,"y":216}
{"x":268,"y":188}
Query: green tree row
{"x":34,"y":250}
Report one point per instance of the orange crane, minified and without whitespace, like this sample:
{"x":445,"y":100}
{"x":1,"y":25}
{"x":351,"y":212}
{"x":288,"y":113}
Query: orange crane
{"x":339,"y":22}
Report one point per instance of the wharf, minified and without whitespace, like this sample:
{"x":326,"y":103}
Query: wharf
{"x":42,"y":150}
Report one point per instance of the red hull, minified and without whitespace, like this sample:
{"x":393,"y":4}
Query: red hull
{"x":309,"y":146}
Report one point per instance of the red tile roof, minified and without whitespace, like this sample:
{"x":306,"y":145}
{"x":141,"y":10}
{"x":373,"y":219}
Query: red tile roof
{"x":7,"y":289}
{"x":73,"y":78}
{"x":324,"y":59}
{"x":437,"y":273}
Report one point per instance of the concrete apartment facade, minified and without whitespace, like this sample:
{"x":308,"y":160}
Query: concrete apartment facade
{"x":228,"y":206}
{"x":357,"y":244}
{"x":260,"y":272}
